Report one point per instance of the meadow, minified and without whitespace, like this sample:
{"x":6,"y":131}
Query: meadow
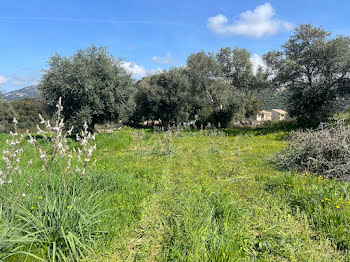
{"x":200,"y":195}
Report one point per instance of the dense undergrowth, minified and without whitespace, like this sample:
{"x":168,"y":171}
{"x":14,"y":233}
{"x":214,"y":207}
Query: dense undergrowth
{"x":178,"y":196}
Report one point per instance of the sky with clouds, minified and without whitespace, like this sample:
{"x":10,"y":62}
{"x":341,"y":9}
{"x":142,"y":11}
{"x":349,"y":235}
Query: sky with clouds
{"x":149,"y":35}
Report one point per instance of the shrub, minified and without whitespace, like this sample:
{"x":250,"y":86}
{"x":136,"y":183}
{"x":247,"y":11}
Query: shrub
{"x":325,"y":150}
{"x":283,"y":125}
{"x":342,"y":116}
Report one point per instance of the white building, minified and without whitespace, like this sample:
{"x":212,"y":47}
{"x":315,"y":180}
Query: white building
{"x":264,"y":116}
{"x":278,"y":114}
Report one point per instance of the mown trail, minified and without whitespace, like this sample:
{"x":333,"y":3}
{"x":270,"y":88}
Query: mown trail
{"x":209,"y":202}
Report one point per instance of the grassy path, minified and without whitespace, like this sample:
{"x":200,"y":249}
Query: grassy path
{"x":208,"y":201}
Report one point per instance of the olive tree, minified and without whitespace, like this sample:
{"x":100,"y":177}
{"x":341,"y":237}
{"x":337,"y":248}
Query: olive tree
{"x":236,"y":67}
{"x":203,"y":71}
{"x":163,"y":96}
{"x":93,"y":85}
{"x":315,"y":68}
{"x":216,"y":95}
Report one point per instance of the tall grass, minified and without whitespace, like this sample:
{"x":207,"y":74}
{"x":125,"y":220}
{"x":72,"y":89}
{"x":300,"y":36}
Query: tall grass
{"x":52,"y":207}
{"x":191,"y":195}
{"x":326,"y":203}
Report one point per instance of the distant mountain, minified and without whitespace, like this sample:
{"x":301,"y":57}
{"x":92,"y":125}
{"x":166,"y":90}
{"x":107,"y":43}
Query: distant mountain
{"x":26,"y":92}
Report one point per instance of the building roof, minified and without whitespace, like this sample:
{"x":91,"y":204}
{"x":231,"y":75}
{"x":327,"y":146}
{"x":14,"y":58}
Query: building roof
{"x":280,"y":111}
{"x":265,"y":112}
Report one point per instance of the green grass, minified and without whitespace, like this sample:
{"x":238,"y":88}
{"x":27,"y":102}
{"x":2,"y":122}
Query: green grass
{"x":201,"y":196}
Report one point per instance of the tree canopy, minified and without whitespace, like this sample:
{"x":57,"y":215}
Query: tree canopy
{"x":311,"y":72}
{"x":236,"y":67}
{"x":198,"y":91}
{"x":164,"y":96}
{"x":93,"y":85}
{"x":316,"y":68}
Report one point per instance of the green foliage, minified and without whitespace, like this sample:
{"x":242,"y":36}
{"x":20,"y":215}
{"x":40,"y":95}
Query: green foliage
{"x":56,"y":224}
{"x":222,"y":86}
{"x":192,"y":195}
{"x":27,"y":111}
{"x":315,"y":69}
{"x":7,"y":114}
{"x":203,"y":71}
{"x":261,"y":79}
{"x":163,"y":96}
{"x":196,"y":92}
{"x":64,"y":218}
{"x":342,"y":116}
{"x":63,"y":222}
{"x":270,"y":98}
{"x":239,"y":105}
{"x":94,"y":86}
{"x":237,"y":67}
{"x":13,"y":238}
{"x":325,"y":204}
{"x":199,"y":227}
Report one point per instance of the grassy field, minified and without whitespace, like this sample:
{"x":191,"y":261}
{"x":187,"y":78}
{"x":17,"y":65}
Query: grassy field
{"x":201,"y":196}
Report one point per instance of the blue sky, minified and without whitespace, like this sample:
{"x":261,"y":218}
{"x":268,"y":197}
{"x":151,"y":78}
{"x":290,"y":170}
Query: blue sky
{"x":149,"y":35}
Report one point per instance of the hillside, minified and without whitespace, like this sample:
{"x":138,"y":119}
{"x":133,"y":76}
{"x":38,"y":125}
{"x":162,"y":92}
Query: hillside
{"x":271,"y":98}
{"x":26,"y":92}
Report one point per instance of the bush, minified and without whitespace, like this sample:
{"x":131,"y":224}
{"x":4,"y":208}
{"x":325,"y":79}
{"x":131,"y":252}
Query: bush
{"x":276,"y":126}
{"x":325,"y":150}
{"x":342,"y":116}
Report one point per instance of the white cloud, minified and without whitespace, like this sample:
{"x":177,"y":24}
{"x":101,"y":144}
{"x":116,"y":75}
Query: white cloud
{"x":20,"y":80}
{"x":257,"y":23}
{"x":165,"y":60}
{"x":134,"y":69}
{"x":15,"y":81}
{"x":3,"y":79}
{"x":139,"y":71}
{"x":257,"y":61}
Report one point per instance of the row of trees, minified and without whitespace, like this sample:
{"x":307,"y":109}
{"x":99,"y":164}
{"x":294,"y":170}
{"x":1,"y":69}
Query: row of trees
{"x":96,"y":88}
{"x":312,"y":65}
{"x":201,"y":90}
